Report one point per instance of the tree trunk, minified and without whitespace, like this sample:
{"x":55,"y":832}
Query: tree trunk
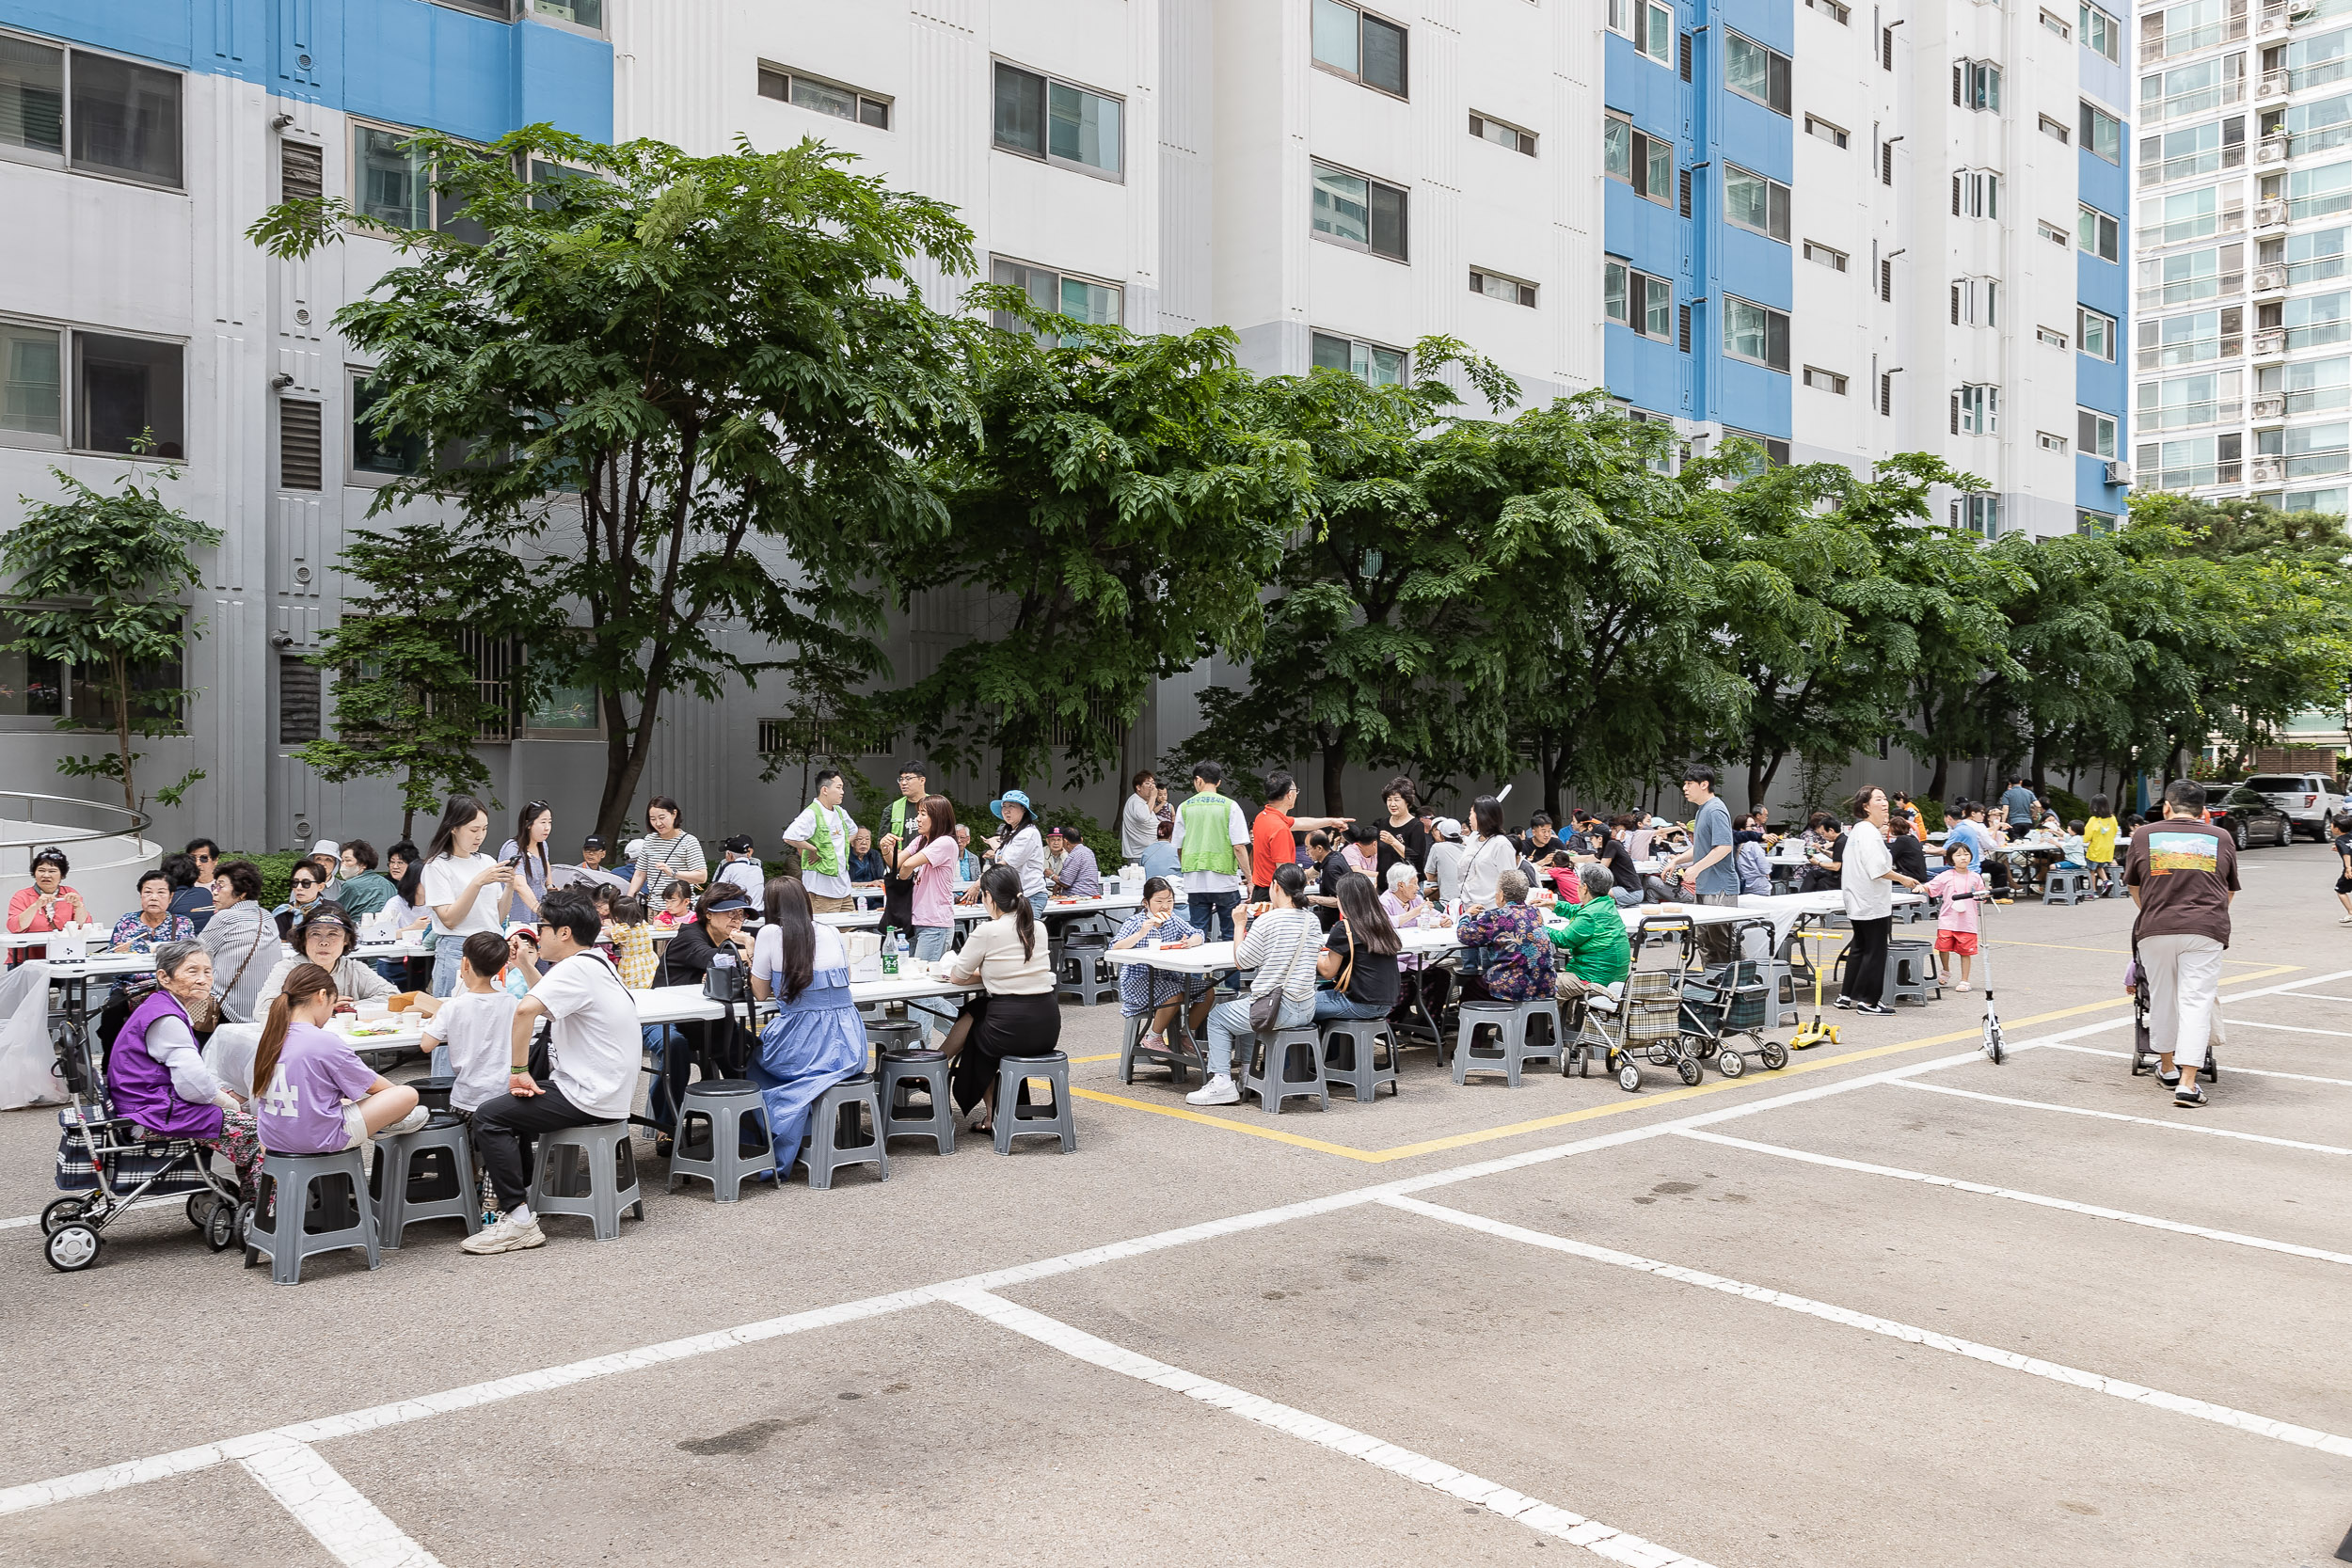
{"x":1760,"y":776}
{"x":1935,"y":780}
{"x":625,"y":764}
{"x":1334,"y":775}
{"x":122,"y":730}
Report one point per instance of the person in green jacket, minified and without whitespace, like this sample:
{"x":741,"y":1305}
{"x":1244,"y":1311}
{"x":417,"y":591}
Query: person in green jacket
{"x":1593,"y":952}
{"x":364,"y":889}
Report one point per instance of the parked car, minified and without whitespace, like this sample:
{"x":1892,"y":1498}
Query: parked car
{"x":2310,"y":800}
{"x":2247,"y":815}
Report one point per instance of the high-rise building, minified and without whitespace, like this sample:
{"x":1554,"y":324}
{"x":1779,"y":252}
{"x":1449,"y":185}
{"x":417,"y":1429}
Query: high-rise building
{"x":2242,"y":355}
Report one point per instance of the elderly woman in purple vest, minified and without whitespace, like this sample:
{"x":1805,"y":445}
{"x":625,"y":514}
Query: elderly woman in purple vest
{"x":156,"y":1073}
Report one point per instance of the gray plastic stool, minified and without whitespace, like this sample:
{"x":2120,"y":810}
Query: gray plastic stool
{"x":1082,"y":974}
{"x":1364,"y":1070}
{"x":732,"y":1115}
{"x":1509,"y":1021}
{"x":1178,"y":1059}
{"x":2067,"y":885}
{"x":1013,"y":1093}
{"x":347,"y":1218}
{"x":611,"y":1175}
{"x":887,"y":1038}
{"x":938,"y":1120}
{"x":1910,"y":973}
{"x":1287,"y":1065}
{"x":436,"y":1157}
{"x":827,"y":1146}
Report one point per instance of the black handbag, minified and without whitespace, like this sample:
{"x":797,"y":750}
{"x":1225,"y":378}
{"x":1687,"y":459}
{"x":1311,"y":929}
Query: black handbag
{"x":727,"y":983}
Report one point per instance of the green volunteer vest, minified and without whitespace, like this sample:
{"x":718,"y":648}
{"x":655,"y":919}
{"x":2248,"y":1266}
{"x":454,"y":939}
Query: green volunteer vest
{"x":1208,"y":835}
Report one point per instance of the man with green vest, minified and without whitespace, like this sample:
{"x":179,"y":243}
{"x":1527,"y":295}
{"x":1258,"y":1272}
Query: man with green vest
{"x":899,"y":891}
{"x":822,"y":834}
{"x":1211,"y":843}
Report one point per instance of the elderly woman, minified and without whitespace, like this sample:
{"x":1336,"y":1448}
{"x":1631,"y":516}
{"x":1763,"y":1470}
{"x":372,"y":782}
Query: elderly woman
{"x":156,"y":1074}
{"x":241,"y":938}
{"x":152,"y":921}
{"x":1515,"y":963}
{"x":48,"y":905}
{"x":1593,"y":952}
{"x":325,"y":937}
{"x":1142,"y":989}
{"x":866,"y":862}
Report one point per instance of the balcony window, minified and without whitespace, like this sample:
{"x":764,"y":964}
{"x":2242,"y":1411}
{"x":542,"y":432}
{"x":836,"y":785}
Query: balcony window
{"x":1370,"y":363}
{"x":2192,"y":89}
{"x":2195,"y":150}
{"x":1057,"y":122}
{"x":2316,"y":193}
{"x":2182,"y":215}
{"x":2307,"y":386}
{"x":2309,"y":452}
{"x":2191,"y":463}
{"x":1355,"y":44}
{"x":1357,"y":212}
{"x":2210,"y":397}
{"x":2316,"y":320}
{"x":2315,"y":61}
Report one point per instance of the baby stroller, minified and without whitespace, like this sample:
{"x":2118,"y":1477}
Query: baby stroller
{"x":2145,"y":1057}
{"x":107,"y":1164}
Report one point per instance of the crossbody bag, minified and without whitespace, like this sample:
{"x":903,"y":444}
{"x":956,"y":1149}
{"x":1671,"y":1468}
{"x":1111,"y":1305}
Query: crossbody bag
{"x":1267,"y":1006}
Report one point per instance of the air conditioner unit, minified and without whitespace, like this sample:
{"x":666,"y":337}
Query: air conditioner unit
{"x":2271,"y":344}
{"x":2270,"y":25}
{"x":2267,"y":470}
{"x":2270,"y":408}
{"x":2273,"y":150}
{"x":2118,"y":473}
{"x":2271,"y":214}
{"x":2269,"y":279}
{"x":2276,"y":84}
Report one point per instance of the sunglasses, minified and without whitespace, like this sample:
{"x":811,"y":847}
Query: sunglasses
{"x":306,"y":881}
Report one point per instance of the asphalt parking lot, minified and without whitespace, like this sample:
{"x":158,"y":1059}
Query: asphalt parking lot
{"x":1893,"y":1303}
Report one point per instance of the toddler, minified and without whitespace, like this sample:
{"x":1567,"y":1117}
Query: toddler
{"x":472,"y":1034}
{"x":632,"y":943}
{"x":1956,"y":926}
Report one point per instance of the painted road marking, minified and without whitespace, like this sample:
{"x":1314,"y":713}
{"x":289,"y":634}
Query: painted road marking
{"x":2118,"y":1115}
{"x":2287,"y":1028}
{"x":1603,"y":1541}
{"x":332,"y":1509}
{"x":2092,"y":1210}
{"x":2260,"y":1426}
{"x":2235,"y":1070}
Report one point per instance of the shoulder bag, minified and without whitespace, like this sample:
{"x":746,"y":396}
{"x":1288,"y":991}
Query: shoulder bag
{"x":209,"y":1012}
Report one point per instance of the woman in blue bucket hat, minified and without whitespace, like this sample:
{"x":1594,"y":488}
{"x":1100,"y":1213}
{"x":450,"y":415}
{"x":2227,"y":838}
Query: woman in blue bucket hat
{"x":1021,"y":847}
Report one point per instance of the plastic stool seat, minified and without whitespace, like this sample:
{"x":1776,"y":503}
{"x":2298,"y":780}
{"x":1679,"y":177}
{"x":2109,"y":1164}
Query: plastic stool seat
{"x":611,"y":1175}
{"x":1287,"y":1064}
{"x":1509,"y":1021}
{"x":2067,"y":885}
{"x":1082,"y":972}
{"x":732,"y":1115}
{"x":1365,"y":1069}
{"x":1178,"y":1059}
{"x":1012,"y":1097}
{"x":829,"y":1146}
{"x":294,"y":1182}
{"x":437,"y":1157}
{"x":905,"y":1070}
{"x":887,"y":1038}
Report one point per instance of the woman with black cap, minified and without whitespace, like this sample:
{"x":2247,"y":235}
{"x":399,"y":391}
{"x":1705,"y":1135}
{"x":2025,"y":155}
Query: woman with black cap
{"x":716,"y":935}
{"x":325,"y":937}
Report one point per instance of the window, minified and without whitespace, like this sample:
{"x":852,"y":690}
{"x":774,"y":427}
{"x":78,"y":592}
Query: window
{"x":1824,"y":381}
{"x":2049,"y":441}
{"x":585,"y":14}
{"x":2312,"y":127}
{"x":2094,"y":432}
{"x":1366,"y":363}
{"x":1977,"y":302}
{"x":30,"y":687}
{"x":2207,"y":398}
{"x":1834,"y":260}
{"x":1356,"y":43}
{"x":1834,"y":10}
{"x":1755,"y":72}
{"x":127,"y":391}
{"x":1980,"y":514}
{"x":2049,"y":336}
{"x":32,"y":383}
{"x":1976,"y":193}
{"x":2103,"y":35}
{"x":89,"y":112}
{"x":2331,"y":501}
{"x":1977,"y":85}
{"x":1816,"y":126}
{"x":2318,"y":193}
{"x":2193,"y":460}
{"x":2314,"y":321}
{"x":2192,"y":89}
{"x":2206,"y":149}
{"x":1752,"y":201}
{"x":2057,"y":25}
{"x":375,"y":457}
{"x":1080,"y":298}
{"x":2055,"y":130}
{"x":1648,"y":22}
{"x":1641,"y":160}
{"x":49,"y":689}
{"x":2052,"y":232}
{"x":1358,"y":213}
{"x":1637,"y":300}
{"x":2191,"y":339}
{"x":2315,"y":61}
{"x":1508,"y":289}
{"x":2178,"y":29}
{"x":1756,"y":333}
{"x":822,"y":97}
{"x":2103,"y":132}
{"x":2307,"y":387}
{"x":392,"y":187}
{"x":2094,"y":522}
{"x":1487,"y":129}
{"x":1976,"y":410}
{"x":2312,"y":258}
{"x":2095,"y":332}
{"x":2096,"y":233}
{"x":1069,"y":127}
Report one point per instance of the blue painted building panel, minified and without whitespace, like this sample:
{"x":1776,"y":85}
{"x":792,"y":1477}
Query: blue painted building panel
{"x":1644,"y":372}
{"x":1637,"y":86}
{"x":1771,"y":23}
{"x":1643,"y":232}
{"x":1755,"y":268}
{"x":1748,"y":396}
{"x":1756,"y":139}
{"x":2099,"y":284}
{"x":565,"y":79}
{"x":2105,"y":185}
{"x":2103,"y":79}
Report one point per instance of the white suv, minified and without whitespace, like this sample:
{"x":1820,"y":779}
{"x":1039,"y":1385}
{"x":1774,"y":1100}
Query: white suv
{"x":2310,"y":800}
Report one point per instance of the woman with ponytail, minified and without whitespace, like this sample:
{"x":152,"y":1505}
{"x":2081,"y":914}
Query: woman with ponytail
{"x":305,"y":1076}
{"x":1016,"y":1013}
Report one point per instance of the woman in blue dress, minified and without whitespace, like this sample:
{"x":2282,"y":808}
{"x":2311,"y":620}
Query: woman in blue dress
{"x":817,"y":1038}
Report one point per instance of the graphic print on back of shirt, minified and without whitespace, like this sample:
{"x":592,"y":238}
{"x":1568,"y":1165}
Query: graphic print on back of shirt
{"x":2171,"y":852}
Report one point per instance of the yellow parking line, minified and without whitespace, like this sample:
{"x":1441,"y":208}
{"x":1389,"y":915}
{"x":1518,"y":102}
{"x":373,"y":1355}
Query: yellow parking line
{"x":1614,"y":1107}
{"x":2069,"y":947}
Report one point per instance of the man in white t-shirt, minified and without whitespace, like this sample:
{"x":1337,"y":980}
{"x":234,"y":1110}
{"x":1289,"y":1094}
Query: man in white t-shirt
{"x":741,"y":868}
{"x":821,"y":833}
{"x":1140,"y":818}
{"x":593,"y":1049}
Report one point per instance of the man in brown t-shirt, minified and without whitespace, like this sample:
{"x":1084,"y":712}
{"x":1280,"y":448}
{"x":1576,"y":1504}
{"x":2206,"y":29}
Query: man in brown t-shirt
{"x":2183,"y":873}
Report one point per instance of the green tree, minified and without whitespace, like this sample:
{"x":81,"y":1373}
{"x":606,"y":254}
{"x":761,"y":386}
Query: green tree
{"x":405,"y":702}
{"x":1116,"y":511}
{"x":98,"y":580}
{"x":696,"y":392}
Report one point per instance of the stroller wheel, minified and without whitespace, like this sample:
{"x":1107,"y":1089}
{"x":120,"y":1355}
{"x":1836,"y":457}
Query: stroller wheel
{"x":200,"y":1209}
{"x":60,"y":1213}
{"x":1689,"y":1069}
{"x":1773,"y":1055}
{"x":220,"y":1225}
{"x":1628,"y":1077}
{"x":1730,"y":1063}
{"x":1569,"y":1062}
{"x":1662,"y":1055}
{"x":244,"y":1224}
{"x":73,"y":1248}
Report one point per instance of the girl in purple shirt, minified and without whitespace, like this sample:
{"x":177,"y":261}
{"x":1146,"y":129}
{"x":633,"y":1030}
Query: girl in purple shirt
{"x":302,"y":1077}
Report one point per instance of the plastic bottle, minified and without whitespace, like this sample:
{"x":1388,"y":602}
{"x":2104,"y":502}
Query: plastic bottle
{"x":893,"y":950}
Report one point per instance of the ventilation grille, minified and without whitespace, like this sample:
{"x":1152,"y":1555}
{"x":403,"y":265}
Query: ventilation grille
{"x":298,"y":460}
{"x":297,"y":700}
{"x":301,"y":171}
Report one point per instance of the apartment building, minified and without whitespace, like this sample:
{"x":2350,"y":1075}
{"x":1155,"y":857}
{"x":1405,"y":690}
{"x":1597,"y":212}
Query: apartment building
{"x":2243,"y":358}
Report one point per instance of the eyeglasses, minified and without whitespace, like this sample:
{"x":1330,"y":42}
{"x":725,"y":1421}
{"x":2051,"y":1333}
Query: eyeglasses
{"x":305,"y":881}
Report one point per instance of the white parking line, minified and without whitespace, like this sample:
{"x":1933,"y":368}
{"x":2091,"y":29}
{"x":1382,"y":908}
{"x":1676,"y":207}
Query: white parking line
{"x":2321,"y":996}
{"x":2235,"y":1070}
{"x":1544,"y":1518}
{"x":2118,"y":1115}
{"x":2260,"y":1426}
{"x":2069,"y":1205}
{"x":332,"y":1509}
{"x":2237,"y":1022}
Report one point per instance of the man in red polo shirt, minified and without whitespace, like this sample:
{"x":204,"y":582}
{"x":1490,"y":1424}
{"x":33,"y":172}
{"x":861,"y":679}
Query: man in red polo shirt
{"x":1270,"y":841}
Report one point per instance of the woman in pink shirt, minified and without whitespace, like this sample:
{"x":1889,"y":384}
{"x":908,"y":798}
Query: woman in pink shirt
{"x":929,"y":856}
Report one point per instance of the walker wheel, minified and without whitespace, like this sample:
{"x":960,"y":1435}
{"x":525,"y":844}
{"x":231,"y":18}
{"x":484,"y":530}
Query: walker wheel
{"x":220,"y":1225}
{"x":244,"y":1224}
{"x":60,"y":1213}
{"x":199,"y":1208}
{"x":1730,"y":1063}
{"x":1689,"y":1068}
{"x":1628,"y":1078}
{"x":73,"y":1248}
{"x":1773,"y":1055}
{"x":1662,"y":1055}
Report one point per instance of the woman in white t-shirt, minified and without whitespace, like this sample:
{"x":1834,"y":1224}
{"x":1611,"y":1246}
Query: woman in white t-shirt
{"x":1487,"y":854}
{"x":466,"y":890}
{"x":666,"y":854}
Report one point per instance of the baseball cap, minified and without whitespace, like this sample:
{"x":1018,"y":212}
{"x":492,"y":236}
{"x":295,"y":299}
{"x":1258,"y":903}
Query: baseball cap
{"x":1448,"y":827}
{"x":736,"y":843}
{"x":591,"y":841}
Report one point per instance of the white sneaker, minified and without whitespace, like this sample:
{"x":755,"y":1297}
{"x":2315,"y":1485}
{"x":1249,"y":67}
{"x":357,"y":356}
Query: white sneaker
{"x":1959,"y":985}
{"x":505,"y":1236}
{"x":2344,"y":919}
{"x":413,"y":1122}
{"x":1216,"y":1091}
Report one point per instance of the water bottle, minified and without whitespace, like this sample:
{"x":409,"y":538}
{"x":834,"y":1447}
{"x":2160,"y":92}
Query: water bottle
{"x":892,"y":950}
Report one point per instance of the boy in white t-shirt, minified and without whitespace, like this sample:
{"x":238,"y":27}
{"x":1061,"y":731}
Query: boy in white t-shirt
{"x":469,"y":1036}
